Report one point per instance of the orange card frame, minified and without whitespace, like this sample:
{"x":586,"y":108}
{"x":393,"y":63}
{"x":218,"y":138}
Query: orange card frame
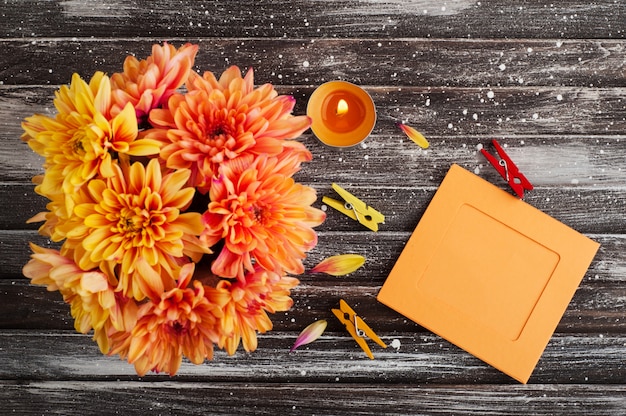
{"x":488,"y":272}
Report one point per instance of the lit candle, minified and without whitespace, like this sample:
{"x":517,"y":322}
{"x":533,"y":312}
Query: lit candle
{"x":342,"y":113}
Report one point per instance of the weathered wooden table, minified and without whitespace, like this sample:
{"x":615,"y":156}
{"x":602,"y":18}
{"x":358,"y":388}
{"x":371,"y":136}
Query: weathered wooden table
{"x":546,"y":79}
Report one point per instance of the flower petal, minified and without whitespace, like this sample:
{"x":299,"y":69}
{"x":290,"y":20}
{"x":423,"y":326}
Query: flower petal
{"x":310,"y":333}
{"x":124,"y":125}
{"x":339,"y":265}
{"x":414,"y":135}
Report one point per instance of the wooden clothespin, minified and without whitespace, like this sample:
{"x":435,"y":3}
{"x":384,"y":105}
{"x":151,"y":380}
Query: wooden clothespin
{"x":354,"y":208}
{"x":508,"y":170}
{"x":357,"y":327}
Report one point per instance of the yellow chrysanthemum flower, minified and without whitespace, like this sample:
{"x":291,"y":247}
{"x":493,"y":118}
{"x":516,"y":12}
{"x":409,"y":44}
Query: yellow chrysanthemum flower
{"x":135,"y":220}
{"x":82,"y":141}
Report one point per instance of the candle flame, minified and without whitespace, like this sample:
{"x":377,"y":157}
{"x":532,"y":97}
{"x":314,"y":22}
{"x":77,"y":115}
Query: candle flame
{"x":342,"y":107}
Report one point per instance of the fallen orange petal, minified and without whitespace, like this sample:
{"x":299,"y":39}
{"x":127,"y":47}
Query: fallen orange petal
{"x":310,"y":333}
{"x":339,"y":265}
{"x":414,"y":135}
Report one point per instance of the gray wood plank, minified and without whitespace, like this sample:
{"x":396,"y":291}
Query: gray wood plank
{"x":201,"y":398}
{"x":486,"y":63}
{"x":421,"y":358}
{"x":319,"y":18}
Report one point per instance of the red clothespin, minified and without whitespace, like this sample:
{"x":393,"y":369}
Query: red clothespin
{"x":508,"y":170}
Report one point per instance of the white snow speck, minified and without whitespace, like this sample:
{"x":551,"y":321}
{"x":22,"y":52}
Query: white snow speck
{"x":502,"y":67}
{"x":559,"y":97}
{"x":490,"y":94}
{"x":396,"y":344}
{"x":305,"y":64}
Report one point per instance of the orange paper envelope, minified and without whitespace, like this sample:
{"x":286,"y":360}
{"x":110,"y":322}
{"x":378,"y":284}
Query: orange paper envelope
{"x":488,"y":272}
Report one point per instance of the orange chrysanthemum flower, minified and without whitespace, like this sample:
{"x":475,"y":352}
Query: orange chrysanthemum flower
{"x":249,"y":300}
{"x":135,"y":220}
{"x":221,"y":120}
{"x":92,"y":299}
{"x":263,"y":215}
{"x":149,"y":83}
{"x":181,"y":322}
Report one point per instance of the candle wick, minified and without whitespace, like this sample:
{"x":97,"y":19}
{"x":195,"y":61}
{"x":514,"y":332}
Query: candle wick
{"x":342,"y":107}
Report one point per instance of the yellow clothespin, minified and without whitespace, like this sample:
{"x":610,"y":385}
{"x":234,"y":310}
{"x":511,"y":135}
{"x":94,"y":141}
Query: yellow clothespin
{"x":354,"y":208}
{"x":357,"y":327}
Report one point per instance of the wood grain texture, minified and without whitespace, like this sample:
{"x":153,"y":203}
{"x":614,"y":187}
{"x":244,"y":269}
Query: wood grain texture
{"x":422,"y":358}
{"x":548,"y":80}
{"x":313,"y":19}
{"x":596,"y":307}
{"x":396,"y":62}
{"x":171,"y":398}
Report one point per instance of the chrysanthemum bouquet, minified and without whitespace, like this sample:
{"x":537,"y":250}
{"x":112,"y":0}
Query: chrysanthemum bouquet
{"x":172,"y":198}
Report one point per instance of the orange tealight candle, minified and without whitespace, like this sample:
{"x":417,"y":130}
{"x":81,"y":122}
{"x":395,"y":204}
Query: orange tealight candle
{"x":342,"y":113}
